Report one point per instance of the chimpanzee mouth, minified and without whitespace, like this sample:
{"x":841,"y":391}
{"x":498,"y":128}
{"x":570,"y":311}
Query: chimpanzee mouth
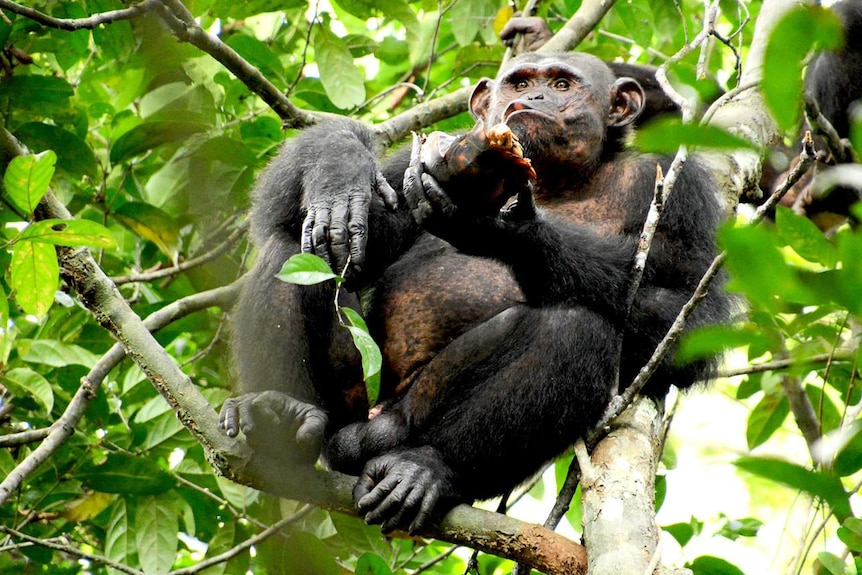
{"x":512,"y":112}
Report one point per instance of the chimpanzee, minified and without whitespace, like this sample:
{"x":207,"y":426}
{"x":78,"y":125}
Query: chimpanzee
{"x":500,"y":328}
{"x":833,"y":80}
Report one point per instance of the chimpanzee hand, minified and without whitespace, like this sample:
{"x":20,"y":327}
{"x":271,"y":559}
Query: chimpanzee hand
{"x":337,"y":198}
{"x":400,"y":490}
{"x":525,"y":34}
{"x":422,"y":191}
{"x":267,"y":417}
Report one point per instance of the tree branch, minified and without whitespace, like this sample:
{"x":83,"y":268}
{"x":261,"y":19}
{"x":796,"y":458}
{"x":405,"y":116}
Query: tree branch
{"x":254,"y":540}
{"x":70,"y":550}
{"x":88,"y":23}
{"x":235,"y":236}
{"x":422,"y":115}
{"x":183,"y":24}
{"x":464,"y":525}
{"x":578,"y":26}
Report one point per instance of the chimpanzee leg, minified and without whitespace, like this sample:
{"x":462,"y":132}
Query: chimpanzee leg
{"x":287,"y":342}
{"x":486,"y":412}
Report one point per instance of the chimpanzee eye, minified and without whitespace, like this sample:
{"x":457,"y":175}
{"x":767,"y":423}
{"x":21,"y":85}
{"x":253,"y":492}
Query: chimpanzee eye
{"x":520,"y":85}
{"x":562,"y":84}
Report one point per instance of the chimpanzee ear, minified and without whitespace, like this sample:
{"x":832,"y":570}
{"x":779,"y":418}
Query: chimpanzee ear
{"x":627,"y":102}
{"x":480,"y":99}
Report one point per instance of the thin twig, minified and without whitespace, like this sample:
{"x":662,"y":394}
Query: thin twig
{"x":181,"y":267}
{"x":70,"y":550}
{"x":233,"y":552}
{"x":183,"y":24}
{"x":779,"y":364}
{"x":24,"y":437}
{"x":88,"y":23}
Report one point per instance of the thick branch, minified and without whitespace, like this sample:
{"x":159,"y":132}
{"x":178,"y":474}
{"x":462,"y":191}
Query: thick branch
{"x":464,"y":525}
{"x":619,"y":493}
{"x":578,"y":26}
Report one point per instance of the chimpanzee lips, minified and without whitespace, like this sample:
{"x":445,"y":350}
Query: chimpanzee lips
{"x":519,"y":107}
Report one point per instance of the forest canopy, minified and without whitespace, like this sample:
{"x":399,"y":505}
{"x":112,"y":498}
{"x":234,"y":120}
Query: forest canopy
{"x":132,"y":135}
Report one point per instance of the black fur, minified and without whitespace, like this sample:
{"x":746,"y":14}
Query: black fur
{"x":499,"y":336}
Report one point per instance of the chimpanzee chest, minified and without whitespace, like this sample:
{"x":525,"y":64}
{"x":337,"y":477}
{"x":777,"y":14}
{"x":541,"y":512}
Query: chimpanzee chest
{"x":427,"y":299}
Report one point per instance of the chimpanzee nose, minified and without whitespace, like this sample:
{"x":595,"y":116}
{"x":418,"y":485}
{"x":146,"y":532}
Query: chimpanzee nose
{"x":536,"y":97}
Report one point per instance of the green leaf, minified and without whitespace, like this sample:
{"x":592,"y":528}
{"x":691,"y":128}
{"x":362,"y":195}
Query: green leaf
{"x":733,"y":529}
{"x":149,"y":135}
{"x":258,"y":54}
{"x":796,"y":34}
{"x":23,"y":381}
{"x":27,"y":179}
{"x":342,"y":80}
{"x":69,"y":233}
{"x":468,"y":17}
{"x":372,"y":359}
{"x":239,"y":496}
{"x":371,"y":564}
{"x":758,"y":268}
{"x":816,"y":483}
{"x":804,"y":237}
{"x":849,"y":458}
{"x":43,"y":94}
{"x":666,"y":135}
{"x":850,"y":533}
{"x":123,"y":473}
{"x":305,"y":553}
{"x":709,"y":565}
{"x":710,"y":341}
{"x":152,"y":224}
{"x":637,"y":17}
{"x":832,"y":563}
{"x":765,"y":419}
{"x":35,"y":276}
{"x":55,"y":353}
{"x":156,"y":529}
{"x":119,"y":536}
{"x":74,"y":156}
{"x":306,"y":269}
{"x":161,"y":429}
{"x":683,"y":532}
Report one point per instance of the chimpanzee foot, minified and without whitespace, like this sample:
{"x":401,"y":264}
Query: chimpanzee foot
{"x":400,"y":490}
{"x":267,"y":417}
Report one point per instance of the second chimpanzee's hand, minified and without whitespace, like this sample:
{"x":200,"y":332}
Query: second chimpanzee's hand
{"x":337,"y":195}
{"x":268,"y":418}
{"x":400,"y":490}
{"x":525,"y":34}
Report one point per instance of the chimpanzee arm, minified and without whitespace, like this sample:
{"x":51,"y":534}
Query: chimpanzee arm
{"x":321,"y":188}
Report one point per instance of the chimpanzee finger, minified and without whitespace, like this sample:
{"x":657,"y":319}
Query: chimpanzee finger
{"x":369,"y":502}
{"x":245,"y":411}
{"x":385,"y":191}
{"x":408,"y":508}
{"x":307,"y":229}
{"x":391,"y":506}
{"x":429,"y":501}
{"x":438,"y":198}
{"x":358,"y":228}
{"x":313,"y":427}
{"x":320,"y":235}
{"x":227,"y":418}
{"x":413,"y":175}
{"x":364,"y":485}
{"x":338,"y":238}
